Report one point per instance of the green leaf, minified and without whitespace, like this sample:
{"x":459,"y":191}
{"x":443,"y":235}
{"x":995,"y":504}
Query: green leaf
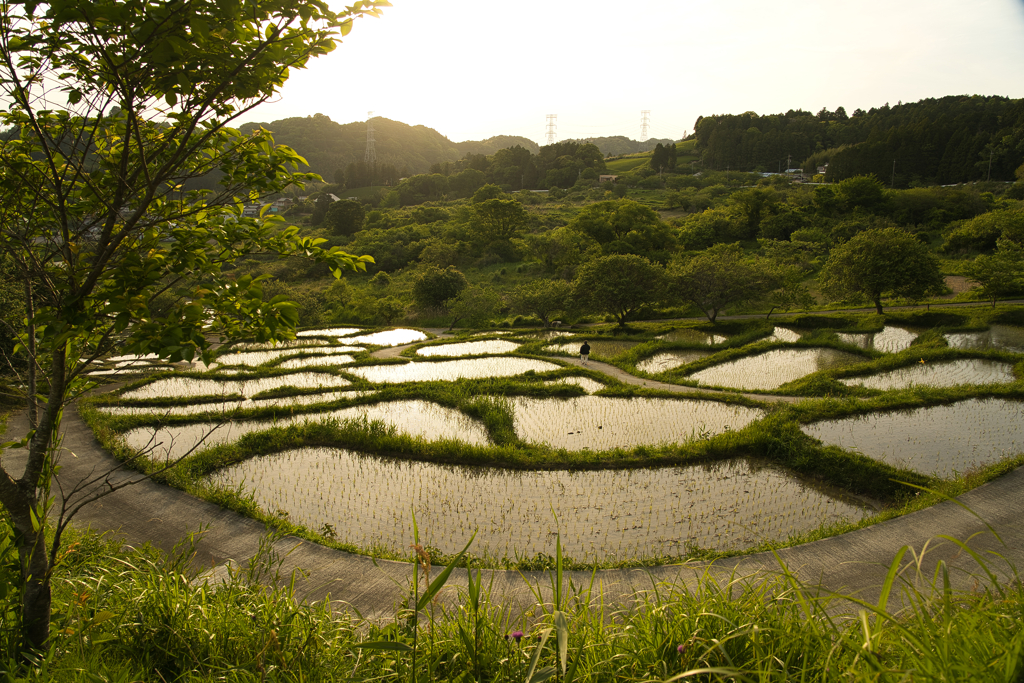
{"x":385,"y":645}
{"x":442,"y":578}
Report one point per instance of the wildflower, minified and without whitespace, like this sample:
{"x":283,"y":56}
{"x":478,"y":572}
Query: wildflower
{"x":922,"y":361}
{"x":518,"y":635}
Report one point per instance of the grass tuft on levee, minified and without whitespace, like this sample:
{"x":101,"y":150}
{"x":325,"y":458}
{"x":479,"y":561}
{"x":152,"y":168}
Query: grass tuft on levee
{"x":135,"y":614}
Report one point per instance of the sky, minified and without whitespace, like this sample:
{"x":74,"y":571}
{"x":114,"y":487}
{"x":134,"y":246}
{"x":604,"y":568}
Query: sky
{"x":472,"y":69}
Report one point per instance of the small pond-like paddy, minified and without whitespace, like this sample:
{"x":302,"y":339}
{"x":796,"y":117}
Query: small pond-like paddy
{"x":230,"y":406}
{"x":474,"y":348}
{"x":889,"y":340}
{"x":772,"y":369}
{"x":783,"y":334}
{"x":588,"y":385}
{"x":999,"y":337}
{"x":387,"y":338}
{"x":600,"y":348}
{"x":451,"y":370}
{"x":416,"y":418}
{"x":667,"y":360}
{"x":601,"y":423}
{"x":935,"y":441}
{"x":185,"y":387}
{"x":316,"y":361}
{"x":691,"y":336}
{"x":329,"y":332}
{"x":254,"y":358}
{"x":948,"y":373}
{"x":610,"y":514}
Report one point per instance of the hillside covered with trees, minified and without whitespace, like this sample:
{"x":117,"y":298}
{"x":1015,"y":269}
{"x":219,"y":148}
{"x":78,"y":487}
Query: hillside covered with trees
{"x":942,"y":141}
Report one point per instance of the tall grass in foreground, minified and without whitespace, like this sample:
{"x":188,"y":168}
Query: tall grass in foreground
{"x":124,"y":614}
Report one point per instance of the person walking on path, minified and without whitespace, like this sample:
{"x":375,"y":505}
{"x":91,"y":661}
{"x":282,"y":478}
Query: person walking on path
{"x":585,"y":352}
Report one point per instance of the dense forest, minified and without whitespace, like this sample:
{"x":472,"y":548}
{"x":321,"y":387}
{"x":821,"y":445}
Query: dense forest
{"x":935,"y":141}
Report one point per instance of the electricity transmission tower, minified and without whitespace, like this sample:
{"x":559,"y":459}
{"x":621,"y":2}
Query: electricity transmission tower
{"x":645,"y":123}
{"x":552,"y":123}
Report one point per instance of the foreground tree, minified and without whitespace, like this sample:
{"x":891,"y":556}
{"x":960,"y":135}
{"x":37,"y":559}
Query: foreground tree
{"x":721,"y":276}
{"x":620,"y":284}
{"x":435,"y":287}
{"x":116,"y":106}
{"x":881,"y":263}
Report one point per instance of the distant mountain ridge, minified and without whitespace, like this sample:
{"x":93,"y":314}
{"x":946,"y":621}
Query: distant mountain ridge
{"x":329,"y":146}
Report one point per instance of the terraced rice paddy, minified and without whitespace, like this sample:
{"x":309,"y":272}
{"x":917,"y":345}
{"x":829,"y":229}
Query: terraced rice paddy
{"x":588,"y":385}
{"x":601,"y":423}
{"x":600,"y":348}
{"x":329,"y":332}
{"x":417,"y":418}
{"x":315,"y":361}
{"x":783,"y":334}
{"x":186,"y":387}
{"x":254,"y":358}
{"x":772,"y":369}
{"x":387,"y":338}
{"x":451,"y":370}
{"x":889,"y":340}
{"x":612,"y":514}
{"x":691,"y":336}
{"x":999,"y":337}
{"x":475,"y":348}
{"x":935,"y":441}
{"x":938,"y":374}
{"x":230,"y":406}
{"x":668,"y":360}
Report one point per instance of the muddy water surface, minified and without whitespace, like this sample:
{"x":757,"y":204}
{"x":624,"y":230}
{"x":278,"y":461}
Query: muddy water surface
{"x":772,"y":369}
{"x":451,"y":370}
{"x":469,"y":348}
{"x":938,"y":374}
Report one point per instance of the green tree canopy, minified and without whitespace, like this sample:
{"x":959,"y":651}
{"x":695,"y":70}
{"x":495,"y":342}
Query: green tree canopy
{"x":623,"y":226}
{"x":117,"y":106}
{"x":435,"y":287}
{"x":345,"y":217}
{"x":880,"y":263}
{"x":619,"y":284}
{"x":542,"y":298}
{"x":721,"y":276}
{"x":1002,"y":273}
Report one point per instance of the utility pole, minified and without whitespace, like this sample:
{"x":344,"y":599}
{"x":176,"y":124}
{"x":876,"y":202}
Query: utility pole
{"x":990,"y":153}
{"x":892,"y":183}
{"x":552,"y":124}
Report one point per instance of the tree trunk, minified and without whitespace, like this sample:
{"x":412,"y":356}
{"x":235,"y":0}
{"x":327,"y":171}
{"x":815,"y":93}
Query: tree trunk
{"x":35,"y":597}
{"x":878,"y":305}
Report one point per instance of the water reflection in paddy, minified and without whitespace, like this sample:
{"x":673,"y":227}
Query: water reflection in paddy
{"x":889,"y":340}
{"x":692,"y":336}
{"x":183,"y":387}
{"x":669,"y":359}
{"x":329,"y":332}
{"x":938,"y":374}
{"x":783,"y":334}
{"x":604,"y":348}
{"x":388,"y":338}
{"x":452,"y":370}
{"x":253,"y":358}
{"x":1001,"y":337}
{"x":600,"y":422}
{"x":229,"y":406}
{"x":417,"y":418}
{"x":313,"y":361}
{"x":935,"y":441}
{"x":604,"y":514}
{"x":469,"y":348}
{"x":772,"y":369}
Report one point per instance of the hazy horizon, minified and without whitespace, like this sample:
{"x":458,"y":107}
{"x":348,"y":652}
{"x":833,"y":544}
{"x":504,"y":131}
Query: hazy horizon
{"x":472,"y":71}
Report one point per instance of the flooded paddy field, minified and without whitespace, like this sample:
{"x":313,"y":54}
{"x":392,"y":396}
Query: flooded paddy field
{"x":316,"y":361}
{"x":784,"y":334}
{"x":452,"y":370}
{"x":230,"y":406}
{"x":772,"y":369}
{"x":254,"y":358}
{"x":948,"y":373}
{"x":475,"y":348}
{"x":599,"y":348}
{"x":936,"y":441}
{"x":329,"y":332}
{"x":416,"y":418}
{"x":602,"y":515}
{"x":588,"y":385}
{"x":185,"y":387}
{"x":691,"y":336}
{"x":667,"y":360}
{"x":387,"y":338}
{"x":998,"y":337}
{"x":890,"y":340}
{"x":602,"y":423}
